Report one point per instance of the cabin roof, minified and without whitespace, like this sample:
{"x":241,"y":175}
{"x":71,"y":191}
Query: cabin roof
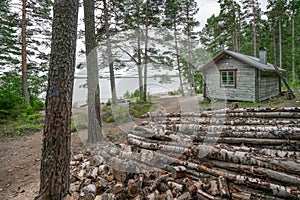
{"x":250,"y":60}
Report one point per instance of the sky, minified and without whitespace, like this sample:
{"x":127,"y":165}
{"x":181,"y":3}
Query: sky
{"x":209,"y":7}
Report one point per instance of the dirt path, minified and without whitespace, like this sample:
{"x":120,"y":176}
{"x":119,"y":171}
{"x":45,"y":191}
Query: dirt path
{"x":19,"y":172}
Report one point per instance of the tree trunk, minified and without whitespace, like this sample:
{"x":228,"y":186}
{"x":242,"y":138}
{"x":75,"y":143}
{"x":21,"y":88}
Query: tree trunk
{"x":139,"y":54}
{"x":109,"y":54}
{"x":55,"y":161}
{"x":24,"y":54}
{"x":177,"y":59}
{"x":94,"y":120}
{"x":293,"y":48}
{"x":254,"y":28}
{"x":146,"y":54}
{"x":280,"y":44}
{"x":274,"y":45}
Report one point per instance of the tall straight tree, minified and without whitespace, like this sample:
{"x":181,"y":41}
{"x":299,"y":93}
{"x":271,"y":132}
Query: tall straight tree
{"x":172,"y":21}
{"x":24,"y":54}
{"x":94,"y":117}
{"x":146,"y":50}
{"x":107,"y":13}
{"x":56,"y":152}
{"x":190,"y":9}
{"x":230,"y":15}
{"x":276,"y":16}
{"x":252,"y":16}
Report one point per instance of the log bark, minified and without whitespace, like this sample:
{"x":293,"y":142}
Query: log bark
{"x":236,"y":121}
{"x":258,"y":172}
{"x":223,"y":186}
{"x":219,"y":153}
{"x":157,"y":146}
{"x":191,"y":128}
{"x":247,"y":141}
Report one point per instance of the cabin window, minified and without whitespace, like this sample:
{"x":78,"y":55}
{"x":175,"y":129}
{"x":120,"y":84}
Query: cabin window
{"x":228,"y":78}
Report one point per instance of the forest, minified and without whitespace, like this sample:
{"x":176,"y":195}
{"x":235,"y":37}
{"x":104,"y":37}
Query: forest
{"x":38,"y":41}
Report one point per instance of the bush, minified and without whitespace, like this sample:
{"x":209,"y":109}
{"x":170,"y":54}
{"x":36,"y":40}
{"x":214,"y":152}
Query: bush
{"x":36,"y":104}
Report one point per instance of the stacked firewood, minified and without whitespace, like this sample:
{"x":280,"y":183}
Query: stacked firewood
{"x":223,"y":154}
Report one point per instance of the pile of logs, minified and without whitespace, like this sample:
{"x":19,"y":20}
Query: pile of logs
{"x":224,"y":154}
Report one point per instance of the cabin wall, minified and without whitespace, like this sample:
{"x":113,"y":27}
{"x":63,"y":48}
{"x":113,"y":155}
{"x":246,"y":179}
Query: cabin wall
{"x":245,"y":81}
{"x":269,"y":85}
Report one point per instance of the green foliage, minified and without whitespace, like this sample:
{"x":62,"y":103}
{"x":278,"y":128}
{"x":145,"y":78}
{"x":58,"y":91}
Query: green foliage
{"x":172,"y":93}
{"x":132,"y":95}
{"x":108,"y":103}
{"x":9,"y":45}
{"x":23,"y":125}
{"x":124,"y":113}
{"x":249,"y":104}
{"x":17,"y":118}
{"x":73,"y":126}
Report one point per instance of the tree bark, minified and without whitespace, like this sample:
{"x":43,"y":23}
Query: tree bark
{"x":94,"y":120}
{"x":254,"y":28}
{"x":139,"y":54}
{"x":55,"y":161}
{"x":109,"y":54}
{"x":146,"y":54}
{"x":177,"y":58}
{"x":24,"y":54}
{"x":280,"y":44}
{"x":293,"y":48}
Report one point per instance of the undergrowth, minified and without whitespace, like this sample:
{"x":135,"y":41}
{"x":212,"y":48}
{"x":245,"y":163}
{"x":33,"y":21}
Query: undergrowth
{"x":123,"y":113}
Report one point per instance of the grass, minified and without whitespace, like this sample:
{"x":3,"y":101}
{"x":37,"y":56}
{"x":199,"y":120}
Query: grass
{"x":23,"y":125}
{"x":271,"y":102}
{"x":123,"y":113}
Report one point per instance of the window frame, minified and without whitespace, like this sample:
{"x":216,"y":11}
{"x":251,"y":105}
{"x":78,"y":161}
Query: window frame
{"x":227,"y":72}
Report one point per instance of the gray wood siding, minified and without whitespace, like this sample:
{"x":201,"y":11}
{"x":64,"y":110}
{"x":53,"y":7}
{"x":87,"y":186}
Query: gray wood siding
{"x":245,"y":81}
{"x":269,"y":86}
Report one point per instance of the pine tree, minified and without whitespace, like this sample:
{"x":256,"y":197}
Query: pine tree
{"x":276,"y":16}
{"x":189,"y":10}
{"x":9,"y":45}
{"x":251,"y":19}
{"x":172,"y":21}
{"x":212,"y":36}
{"x":56,"y":152}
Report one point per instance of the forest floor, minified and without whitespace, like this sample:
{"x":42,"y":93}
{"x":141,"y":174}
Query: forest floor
{"x":20,"y":158}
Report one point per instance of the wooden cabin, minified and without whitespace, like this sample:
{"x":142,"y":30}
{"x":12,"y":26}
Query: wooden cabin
{"x":237,"y":77}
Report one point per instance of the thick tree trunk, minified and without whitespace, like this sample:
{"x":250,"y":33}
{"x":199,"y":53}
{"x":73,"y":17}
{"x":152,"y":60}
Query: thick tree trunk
{"x":24,"y":54}
{"x":94,"y":120}
{"x":55,"y":162}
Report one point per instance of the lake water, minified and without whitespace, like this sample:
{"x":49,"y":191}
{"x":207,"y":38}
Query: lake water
{"x":122,"y":85}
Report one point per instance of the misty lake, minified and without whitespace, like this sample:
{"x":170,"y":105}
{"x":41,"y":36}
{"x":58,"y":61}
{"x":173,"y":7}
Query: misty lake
{"x":122,"y":85}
